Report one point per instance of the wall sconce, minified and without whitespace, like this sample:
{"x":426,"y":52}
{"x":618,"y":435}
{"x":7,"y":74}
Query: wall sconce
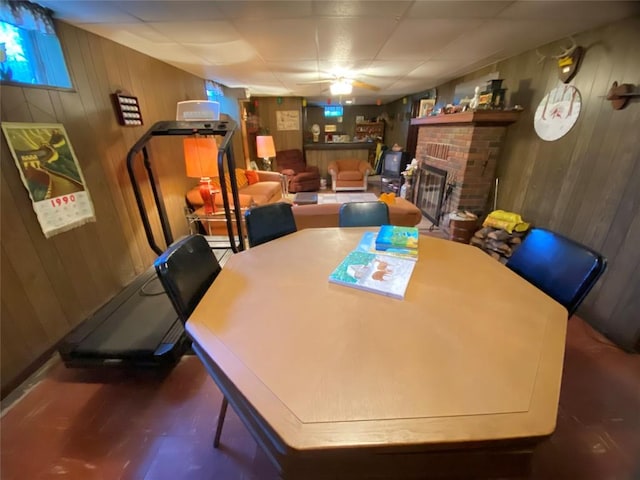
{"x":201,"y":159}
{"x":127,"y":109}
{"x":266,"y":149}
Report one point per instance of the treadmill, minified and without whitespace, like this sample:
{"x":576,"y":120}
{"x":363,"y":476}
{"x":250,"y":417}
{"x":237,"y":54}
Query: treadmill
{"x":139,"y":326}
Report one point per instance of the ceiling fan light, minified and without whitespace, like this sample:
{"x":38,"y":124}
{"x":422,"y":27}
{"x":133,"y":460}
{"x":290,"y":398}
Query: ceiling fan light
{"x":341,"y":88}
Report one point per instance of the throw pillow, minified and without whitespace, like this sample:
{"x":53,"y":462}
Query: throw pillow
{"x":241,"y":178}
{"x":252,"y":176}
{"x":388,"y":198}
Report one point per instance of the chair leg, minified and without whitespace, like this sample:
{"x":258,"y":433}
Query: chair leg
{"x":223,"y":412}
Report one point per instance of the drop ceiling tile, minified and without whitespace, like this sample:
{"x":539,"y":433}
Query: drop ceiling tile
{"x":74,"y":11}
{"x":170,"y":11}
{"x":124,"y":32}
{"x":360,"y":8}
{"x":282,"y":39}
{"x":264,"y":10}
{"x":170,"y":53}
{"x":346,"y":68}
{"x":346,"y":38}
{"x":457,"y":9}
{"x":198,"y":32}
{"x":421,"y":39}
{"x":599,"y":11}
{"x":390,"y":68}
{"x":224,"y":53}
{"x":436,"y":68}
{"x":490,"y":37}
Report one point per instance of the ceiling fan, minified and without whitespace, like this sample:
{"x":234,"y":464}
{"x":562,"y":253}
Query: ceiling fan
{"x":341,"y":85}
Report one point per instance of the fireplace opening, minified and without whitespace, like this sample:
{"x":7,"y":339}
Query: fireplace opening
{"x":430,"y":194}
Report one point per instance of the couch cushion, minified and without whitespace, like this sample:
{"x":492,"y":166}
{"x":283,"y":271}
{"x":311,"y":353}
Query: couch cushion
{"x":350,"y":175}
{"x":263,"y":192}
{"x":402,"y":212}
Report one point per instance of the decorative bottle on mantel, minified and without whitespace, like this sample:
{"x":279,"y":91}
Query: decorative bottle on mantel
{"x":473,"y":104}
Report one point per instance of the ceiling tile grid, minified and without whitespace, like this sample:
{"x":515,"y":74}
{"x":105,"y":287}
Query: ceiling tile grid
{"x":277,"y":47}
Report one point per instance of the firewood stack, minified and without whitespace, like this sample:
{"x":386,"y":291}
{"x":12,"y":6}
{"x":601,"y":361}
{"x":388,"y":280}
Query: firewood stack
{"x":496,"y":242}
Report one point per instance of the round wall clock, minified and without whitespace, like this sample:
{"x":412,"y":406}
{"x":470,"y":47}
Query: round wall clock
{"x":557,"y":113}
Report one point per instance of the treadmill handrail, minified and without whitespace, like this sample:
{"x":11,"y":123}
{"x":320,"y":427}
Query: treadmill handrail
{"x":172,"y":128}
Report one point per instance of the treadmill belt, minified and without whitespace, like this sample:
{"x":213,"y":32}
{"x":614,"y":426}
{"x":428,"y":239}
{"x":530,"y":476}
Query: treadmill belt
{"x":135,"y":328}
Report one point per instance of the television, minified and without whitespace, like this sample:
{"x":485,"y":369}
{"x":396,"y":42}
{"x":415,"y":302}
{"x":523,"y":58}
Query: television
{"x":333,"y":111}
{"x":394,"y":163}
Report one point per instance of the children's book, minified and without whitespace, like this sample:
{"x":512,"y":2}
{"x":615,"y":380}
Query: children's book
{"x":393,"y":236}
{"x":368,"y":244}
{"x":381,"y":274}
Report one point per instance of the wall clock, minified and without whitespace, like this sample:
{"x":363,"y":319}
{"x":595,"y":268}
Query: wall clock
{"x":557,"y":113}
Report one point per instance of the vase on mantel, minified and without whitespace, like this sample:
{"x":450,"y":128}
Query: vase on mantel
{"x":408,"y":188}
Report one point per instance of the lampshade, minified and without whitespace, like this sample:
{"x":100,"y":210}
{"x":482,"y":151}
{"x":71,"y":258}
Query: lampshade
{"x":341,"y":87}
{"x":265,"y":146}
{"x":201,"y":157}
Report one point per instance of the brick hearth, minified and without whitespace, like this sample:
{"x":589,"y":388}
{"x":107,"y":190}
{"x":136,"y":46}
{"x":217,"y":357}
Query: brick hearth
{"x":467,"y":147}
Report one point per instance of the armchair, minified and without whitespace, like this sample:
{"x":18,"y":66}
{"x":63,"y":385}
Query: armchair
{"x":299,"y":176}
{"x":349,"y":174}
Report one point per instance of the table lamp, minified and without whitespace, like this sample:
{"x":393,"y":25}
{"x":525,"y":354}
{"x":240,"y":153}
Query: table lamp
{"x":266,"y":149}
{"x":201,"y":159}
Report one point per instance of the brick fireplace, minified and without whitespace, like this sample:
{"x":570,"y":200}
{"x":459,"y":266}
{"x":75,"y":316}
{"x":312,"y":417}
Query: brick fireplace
{"x":466,"y":146}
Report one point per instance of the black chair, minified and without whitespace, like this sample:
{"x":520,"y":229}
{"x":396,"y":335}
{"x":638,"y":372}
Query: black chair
{"x":186,"y":271}
{"x":268,"y":222}
{"x":562,"y":268}
{"x":364,"y":214}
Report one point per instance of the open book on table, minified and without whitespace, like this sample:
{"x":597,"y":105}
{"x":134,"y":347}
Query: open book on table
{"x":374,"y":272}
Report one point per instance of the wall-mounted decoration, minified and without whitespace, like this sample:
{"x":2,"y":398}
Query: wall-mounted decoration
{"x":287,"y":120}
{"x":557,"y":113}
{"x":569,"y":61}
{"x":51,"y":174}
{"x":127,"y":109}
{"x":619,"y":95}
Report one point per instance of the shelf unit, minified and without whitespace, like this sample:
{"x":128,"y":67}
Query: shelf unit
{"x":372,"y":130}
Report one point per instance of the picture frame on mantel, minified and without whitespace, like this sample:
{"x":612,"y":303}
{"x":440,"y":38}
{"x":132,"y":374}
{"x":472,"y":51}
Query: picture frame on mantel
{"x":423,"y":106}
{"x":426,"y":107}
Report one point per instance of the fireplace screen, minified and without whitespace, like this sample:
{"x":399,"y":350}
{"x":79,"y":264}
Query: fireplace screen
{"x":431,"y":186}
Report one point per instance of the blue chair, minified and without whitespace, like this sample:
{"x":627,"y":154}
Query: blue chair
{"x":562,"y":268}
{"x":268,"y":222}
{"x":364,"y":214}
{"x":186,"y":271}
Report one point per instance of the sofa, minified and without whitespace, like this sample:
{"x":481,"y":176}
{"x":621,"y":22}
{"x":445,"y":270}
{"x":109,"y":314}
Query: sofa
{"x":266,"y":187}
{"x":299,"y":176}
{"x":401,"y":212}
{"x":349,"y":174}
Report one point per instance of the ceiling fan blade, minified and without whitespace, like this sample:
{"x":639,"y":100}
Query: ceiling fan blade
{"x":312,"y":82}
{"x":368,"y":86}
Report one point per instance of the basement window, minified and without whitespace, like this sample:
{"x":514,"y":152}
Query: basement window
{"x":30,"y":52}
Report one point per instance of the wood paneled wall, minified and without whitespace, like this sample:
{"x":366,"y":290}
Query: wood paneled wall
{"x":585,"y":185}
{"x":266,"y":110}
{"x":49,"y":286}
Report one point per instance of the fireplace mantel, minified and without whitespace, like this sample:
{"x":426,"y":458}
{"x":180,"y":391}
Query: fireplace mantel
{"x":479,"y":117}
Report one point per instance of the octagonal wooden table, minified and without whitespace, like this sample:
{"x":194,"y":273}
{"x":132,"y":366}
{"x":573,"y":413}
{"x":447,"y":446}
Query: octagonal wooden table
{"x":462,"y":376}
